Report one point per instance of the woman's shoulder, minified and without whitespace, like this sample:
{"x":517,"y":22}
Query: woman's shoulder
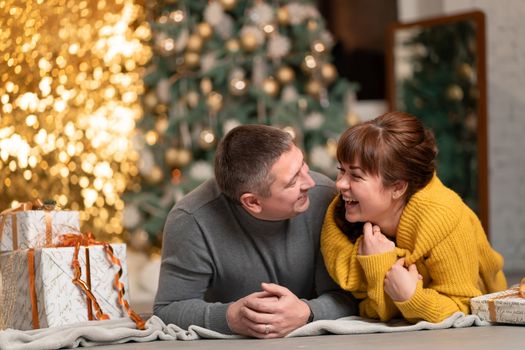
{"x":435,"y":210}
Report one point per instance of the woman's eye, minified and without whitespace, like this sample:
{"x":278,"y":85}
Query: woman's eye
{"x":341,"y":170}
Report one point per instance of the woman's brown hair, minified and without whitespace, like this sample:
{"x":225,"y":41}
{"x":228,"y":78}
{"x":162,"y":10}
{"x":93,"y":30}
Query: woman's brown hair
{"x":396,"y":146}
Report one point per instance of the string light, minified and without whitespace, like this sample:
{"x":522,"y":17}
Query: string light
{"x":70,"y":81}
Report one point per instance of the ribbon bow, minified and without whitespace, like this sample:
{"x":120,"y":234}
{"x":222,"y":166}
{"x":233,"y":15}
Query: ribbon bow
{"x":518,"y":292}
{"x":76,"y":240}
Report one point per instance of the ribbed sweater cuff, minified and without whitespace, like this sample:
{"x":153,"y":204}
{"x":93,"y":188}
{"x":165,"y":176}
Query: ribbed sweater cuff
{"x":375,"y":266}
{"x":417,"y":306}
{"x":216,"y":318}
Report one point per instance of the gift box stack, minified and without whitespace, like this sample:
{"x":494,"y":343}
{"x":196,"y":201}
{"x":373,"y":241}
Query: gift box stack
{"x":503,"y":307}
{"x":54,"y":275}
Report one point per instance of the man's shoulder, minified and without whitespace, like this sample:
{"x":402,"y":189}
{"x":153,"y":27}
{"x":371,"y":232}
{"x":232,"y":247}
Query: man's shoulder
{"x":203,"y":195}
{"x":322,"y":180}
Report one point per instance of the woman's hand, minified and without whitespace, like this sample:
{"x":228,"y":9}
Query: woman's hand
{"x":374,"y":242}
{"x":401,"y":282}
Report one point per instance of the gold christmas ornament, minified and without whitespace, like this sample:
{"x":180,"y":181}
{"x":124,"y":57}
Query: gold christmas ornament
{"x":465,"y":70}
{"x":178,"y":157}
{"x":155,"y":175}
{"x":192,"y":99}
{"x":206,"y":86}
{"x":207,"y":138}
{"x":232,"y":45}
{"x":454,"y":92}
{"x":283,"y":16}
{"x":204,"y":30}
{"x":192,"y":59}
{"x":161,"y":125}
{"x":285,"y":75}
{"x":309,"y":64}
{"x":228,"y":4}
{"x":249,"y":42}
{"x":312,"y":25}
{"x":270,"y":86}
{"x":318,"y":47}
{"x":238,"y":86}
{"x":352,"y":118}
{"x":214,"y":101}
{"x":331,"y":147}
{"x":313,"y":88}
{"x":194,"y":43}
{"x":328,"y":72}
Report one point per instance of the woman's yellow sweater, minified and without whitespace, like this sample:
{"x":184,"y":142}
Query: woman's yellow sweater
{"x":445,"y":240}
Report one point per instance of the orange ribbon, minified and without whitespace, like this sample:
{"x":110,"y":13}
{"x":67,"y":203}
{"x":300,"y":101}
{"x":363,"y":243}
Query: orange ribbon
{"x":75,"y":240}
{"x":24,"y":206}
{"x":519,"y":292}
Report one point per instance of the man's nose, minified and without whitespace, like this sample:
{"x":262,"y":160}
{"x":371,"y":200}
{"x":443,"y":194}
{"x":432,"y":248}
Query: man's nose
{"x":308,"y":182}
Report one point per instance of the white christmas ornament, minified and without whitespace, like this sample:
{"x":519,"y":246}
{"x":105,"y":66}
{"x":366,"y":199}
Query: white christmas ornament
{"x":289,"y":94}
{"x":146,"y":162}
{"x":314,"y":121}
{"x":163,"y":90}
{"x":201,"y":171}
{"x":214,"y":14}
{"x":131,"y":216}
{"x":320,"y":158}
{"x":261,"y":14}
{"x":278,"y":46}
{"x":229,"y":125}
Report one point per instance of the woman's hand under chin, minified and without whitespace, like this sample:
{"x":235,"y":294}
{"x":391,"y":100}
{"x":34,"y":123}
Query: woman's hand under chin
{"x":374,"y":242}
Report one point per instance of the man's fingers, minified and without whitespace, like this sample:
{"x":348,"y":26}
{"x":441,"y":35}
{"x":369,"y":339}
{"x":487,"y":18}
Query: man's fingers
{"x":275,"y":289}
{"x":256,"y":317}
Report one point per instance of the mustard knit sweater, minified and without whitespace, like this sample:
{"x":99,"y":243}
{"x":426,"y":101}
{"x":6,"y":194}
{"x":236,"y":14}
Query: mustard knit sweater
{"x":445,"y":240}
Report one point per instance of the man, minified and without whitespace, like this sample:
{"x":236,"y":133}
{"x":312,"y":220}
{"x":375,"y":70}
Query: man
{"x":241,"y":252}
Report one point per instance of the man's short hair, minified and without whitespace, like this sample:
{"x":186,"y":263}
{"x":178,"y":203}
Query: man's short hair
{"x":245,"y":157}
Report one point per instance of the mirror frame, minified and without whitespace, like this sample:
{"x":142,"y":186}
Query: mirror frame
{"x":482,"y":138}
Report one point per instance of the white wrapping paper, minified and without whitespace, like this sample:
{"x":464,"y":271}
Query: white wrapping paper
{"x":507,"y":307}
{"x":59,"y":300}
{"x":31,"y":227}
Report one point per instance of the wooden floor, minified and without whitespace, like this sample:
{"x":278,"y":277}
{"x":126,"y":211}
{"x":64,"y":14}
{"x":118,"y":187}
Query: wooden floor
{"x":501,"y":337}
{"x":498,"y":337}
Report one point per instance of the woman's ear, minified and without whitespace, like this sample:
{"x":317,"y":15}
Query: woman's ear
{"x":399,"y":189}
{"x":250,"y":202}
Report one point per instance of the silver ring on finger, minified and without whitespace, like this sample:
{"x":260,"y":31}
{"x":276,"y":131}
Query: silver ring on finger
{"x":266,"y":329}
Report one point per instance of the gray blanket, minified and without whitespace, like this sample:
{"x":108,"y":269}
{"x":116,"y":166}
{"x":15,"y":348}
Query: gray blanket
{"x":119,"y":331}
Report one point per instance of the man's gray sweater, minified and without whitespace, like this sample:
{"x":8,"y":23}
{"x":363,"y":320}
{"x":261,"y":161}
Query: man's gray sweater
{"x":214,"y":253}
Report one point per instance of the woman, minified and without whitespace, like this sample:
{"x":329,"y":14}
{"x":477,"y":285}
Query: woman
{"x":396,"y":236}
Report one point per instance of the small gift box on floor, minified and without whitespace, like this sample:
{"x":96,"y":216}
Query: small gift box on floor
{"x":505,"y":307}
{"x":40,"y":290}
{"x":23,"y":227}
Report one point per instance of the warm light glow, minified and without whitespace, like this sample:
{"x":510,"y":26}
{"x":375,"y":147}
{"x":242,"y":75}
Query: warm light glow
{"x":70,"y":81}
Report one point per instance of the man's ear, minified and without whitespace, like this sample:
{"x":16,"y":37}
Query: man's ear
{"x":250,"y":202}
{"x":399,"y":189}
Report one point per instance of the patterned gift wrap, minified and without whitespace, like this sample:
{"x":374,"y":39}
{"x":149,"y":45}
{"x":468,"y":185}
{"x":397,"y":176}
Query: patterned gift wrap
{"x":504,"y":307}
{"x":36,"y":228}
{"x":56,"y":299}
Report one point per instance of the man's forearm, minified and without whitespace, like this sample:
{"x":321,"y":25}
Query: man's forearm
{"x":195,"y":312}
{"x":333,"y":305}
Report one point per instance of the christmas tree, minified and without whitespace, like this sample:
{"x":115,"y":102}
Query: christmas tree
{"x":438,"y":84}
{"x":219,"y":64}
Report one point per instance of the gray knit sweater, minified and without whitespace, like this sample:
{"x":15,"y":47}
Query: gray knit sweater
{"x":214,"y":253}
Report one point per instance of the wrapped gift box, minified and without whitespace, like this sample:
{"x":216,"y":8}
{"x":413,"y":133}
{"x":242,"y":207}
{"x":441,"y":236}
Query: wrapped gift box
{"x":59,"y":301}
{"x":30,"y":228}
{"x":504,"y":307}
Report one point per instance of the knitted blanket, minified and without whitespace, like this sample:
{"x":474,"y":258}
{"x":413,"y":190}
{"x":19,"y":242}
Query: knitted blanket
{"x":94,"y":333}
